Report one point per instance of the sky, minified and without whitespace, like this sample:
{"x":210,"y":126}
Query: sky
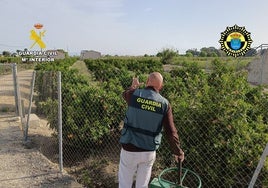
{"x":128,"y":27}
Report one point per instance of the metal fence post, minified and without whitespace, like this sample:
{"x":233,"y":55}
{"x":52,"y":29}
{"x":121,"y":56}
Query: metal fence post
{"x":17,"y":92}
{"x":14,"y":74}
{"x":30,"y":105}
{"x":259,"y":167}
{"x":60,"y":122}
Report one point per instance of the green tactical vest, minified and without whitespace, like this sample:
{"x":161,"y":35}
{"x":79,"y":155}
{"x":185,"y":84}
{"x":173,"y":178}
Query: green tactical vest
{"x":143,"y":120}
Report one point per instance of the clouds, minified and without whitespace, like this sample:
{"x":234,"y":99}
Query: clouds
{"x":127,"y":26}
{"x":77,"y":24}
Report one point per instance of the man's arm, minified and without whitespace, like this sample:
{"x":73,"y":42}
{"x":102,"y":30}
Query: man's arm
{"x":172,"y":135}
{"x":128,"y":92}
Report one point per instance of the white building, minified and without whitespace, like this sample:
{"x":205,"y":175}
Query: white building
{"x":56,"y":54}
{"x":258,"y":69}
{"x":90,"y":54}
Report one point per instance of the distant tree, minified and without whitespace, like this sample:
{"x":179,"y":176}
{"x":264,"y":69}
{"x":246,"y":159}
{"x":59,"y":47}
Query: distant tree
{"x":6,"y":53}
{"x":167,"y":55}
{"x":14,"y":54}
{"x":210,"y":52}
{"x":189,"y":54}
{"x":203,"y":54}
{"x":159,"y":54}
{"x":214,"y":54}
{"x":193,"y":51}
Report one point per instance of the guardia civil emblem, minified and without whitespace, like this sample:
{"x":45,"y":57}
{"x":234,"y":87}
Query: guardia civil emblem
{"x":235,"y":41}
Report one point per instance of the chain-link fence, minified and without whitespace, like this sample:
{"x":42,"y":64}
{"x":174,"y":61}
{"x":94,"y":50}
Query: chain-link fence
{"x":221,"y":121}
{"x":15,"y":84}
{"x":16,"y":96}
{"x":7,"y":92}
{"x":20,"y":97}
{"x":39,"y":132}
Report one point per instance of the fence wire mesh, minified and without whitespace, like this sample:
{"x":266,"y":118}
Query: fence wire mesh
{"x":42,"y":132}
{"x":15,"y":77}
{"x":221,"y":121}
{"x":7,"y":95}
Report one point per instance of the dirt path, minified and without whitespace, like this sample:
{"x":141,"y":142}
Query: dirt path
{"x":7,"y":99}
{"x":22,"y":167}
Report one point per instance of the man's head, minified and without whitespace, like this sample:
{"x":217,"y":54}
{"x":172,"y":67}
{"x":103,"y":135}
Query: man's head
{"x":155,"y":80}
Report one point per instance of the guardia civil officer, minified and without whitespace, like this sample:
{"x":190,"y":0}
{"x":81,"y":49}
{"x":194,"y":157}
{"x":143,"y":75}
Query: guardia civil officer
{"x":147,"y":113}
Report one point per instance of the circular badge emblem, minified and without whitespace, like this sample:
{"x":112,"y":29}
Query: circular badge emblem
{"x":235,"y":41}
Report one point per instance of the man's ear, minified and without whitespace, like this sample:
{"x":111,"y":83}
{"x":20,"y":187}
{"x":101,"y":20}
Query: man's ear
{"x":147,"y":81}
{"x":161,"y":87}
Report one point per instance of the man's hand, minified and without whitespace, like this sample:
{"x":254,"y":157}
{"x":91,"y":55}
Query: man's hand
{"x":135,"y":82}
{"x":179,"y":157}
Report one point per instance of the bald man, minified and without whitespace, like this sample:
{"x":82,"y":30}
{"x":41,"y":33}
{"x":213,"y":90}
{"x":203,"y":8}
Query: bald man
{"x":147,"y":114}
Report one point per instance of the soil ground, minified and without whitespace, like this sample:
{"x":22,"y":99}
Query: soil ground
{"x":23,"y":166}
